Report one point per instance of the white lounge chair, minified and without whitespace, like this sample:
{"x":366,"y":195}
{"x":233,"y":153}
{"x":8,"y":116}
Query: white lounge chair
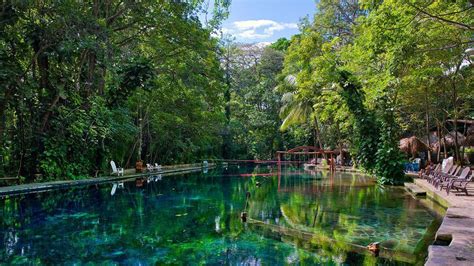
{"x":115,"y":186}
{"x":157,"y":167}
{"x":150,"y":167}
{"x":116,"y":170}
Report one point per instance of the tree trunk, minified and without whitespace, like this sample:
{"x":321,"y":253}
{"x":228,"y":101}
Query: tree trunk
{"x":3,"y":108}
{"x":140,"y":134}
{"x":43,"y":68}
{"x":444,"y":145}
{"x":438,"y":155}
{"x":456,"y":144}
{"x":40,"y":116}
{"x":51,"y":95}
{"x":456,"y":111}
{"x":427,"y":117}
{"x":226,"y":147}
{"x":318,"y":134}
{"x":101,"y":81}
{"x":464,"y":146}
{"x":48,"y":113}
{"x":315,"y":137}
{"x":339,"y":143}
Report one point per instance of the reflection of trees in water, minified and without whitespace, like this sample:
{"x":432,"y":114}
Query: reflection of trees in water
{"x":264,"y":202}
{"x":178,"y":216}
{"x":344,"y":207}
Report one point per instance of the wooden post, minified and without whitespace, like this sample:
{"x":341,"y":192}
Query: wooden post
{"x":279,"y":172}
{"x":333,"y":165}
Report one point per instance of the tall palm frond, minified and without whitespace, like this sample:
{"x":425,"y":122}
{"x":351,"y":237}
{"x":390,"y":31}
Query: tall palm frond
{"x":295,"y":110}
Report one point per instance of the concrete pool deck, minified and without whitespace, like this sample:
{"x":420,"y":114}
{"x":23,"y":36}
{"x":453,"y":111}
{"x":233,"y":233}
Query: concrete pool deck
{"x":130,"y":175}
{"x":454,"y":241}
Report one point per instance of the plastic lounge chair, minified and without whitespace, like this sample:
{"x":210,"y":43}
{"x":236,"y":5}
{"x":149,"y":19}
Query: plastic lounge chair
{"x":461,"y":173}
{"x":429,"y":171}
{"x":460,"y":184}
{"x":158,"y":167}
{"x":435,"y":174}
{"x":437,"y":171}
{"x":116,"y":170}
{"x":150,"y":168}
{"x":443,"y":176}
{"x":449,"y":170}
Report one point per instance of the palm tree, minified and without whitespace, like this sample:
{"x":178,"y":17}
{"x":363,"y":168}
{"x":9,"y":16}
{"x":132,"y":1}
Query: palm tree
{"x":297,"y":109}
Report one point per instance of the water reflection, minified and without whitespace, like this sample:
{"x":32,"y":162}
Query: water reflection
{"x":294,"y":217}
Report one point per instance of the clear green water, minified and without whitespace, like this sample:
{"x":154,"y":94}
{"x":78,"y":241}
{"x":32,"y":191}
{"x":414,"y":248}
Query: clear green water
{"x":297,"y":218}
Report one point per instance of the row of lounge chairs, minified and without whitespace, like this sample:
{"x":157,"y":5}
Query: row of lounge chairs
{"x":119,"y":171}
{"x":153,"y":167}
{"x":452,"y":177}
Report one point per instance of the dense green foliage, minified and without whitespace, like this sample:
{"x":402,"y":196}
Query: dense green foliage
{"x":366,"y":131}
{"x":84,"y":83}
{"x":255,"y":103}
{"x":87,"y":82}
{"x":366,"y":73}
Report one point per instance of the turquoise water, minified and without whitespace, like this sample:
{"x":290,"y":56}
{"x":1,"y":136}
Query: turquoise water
{"x":295,"y":217}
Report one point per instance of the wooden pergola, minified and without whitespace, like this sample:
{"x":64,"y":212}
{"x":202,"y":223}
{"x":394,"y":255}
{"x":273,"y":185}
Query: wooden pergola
{"x":311,"y":151}
{"x":306,"y":150}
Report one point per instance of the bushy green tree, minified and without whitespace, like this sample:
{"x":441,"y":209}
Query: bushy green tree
{"x":77,"y":78}
{"x":255,"y":103}
{"x":385,"y":67}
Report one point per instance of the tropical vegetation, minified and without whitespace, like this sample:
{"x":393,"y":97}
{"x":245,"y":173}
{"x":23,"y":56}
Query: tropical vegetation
{"x":87,"y":82}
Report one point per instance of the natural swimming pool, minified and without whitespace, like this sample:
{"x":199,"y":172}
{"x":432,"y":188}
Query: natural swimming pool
{"x":296,"y":217}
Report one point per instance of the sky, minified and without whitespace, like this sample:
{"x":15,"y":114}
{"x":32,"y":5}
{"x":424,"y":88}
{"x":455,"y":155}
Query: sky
{"x":261,"y":21}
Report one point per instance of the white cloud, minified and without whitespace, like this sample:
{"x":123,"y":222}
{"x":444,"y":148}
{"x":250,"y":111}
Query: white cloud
{"x":250,"y":34}
{"x":262,"y":44}
{"x":257,"y":29}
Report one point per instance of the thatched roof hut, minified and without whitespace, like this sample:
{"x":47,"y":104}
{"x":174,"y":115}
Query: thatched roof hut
{"x":450,"y":139}
{"x":413,"y":146}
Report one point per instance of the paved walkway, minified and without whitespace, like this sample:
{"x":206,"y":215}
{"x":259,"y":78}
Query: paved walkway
{"x":454,"y":242}
{"x":45,"y":186}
